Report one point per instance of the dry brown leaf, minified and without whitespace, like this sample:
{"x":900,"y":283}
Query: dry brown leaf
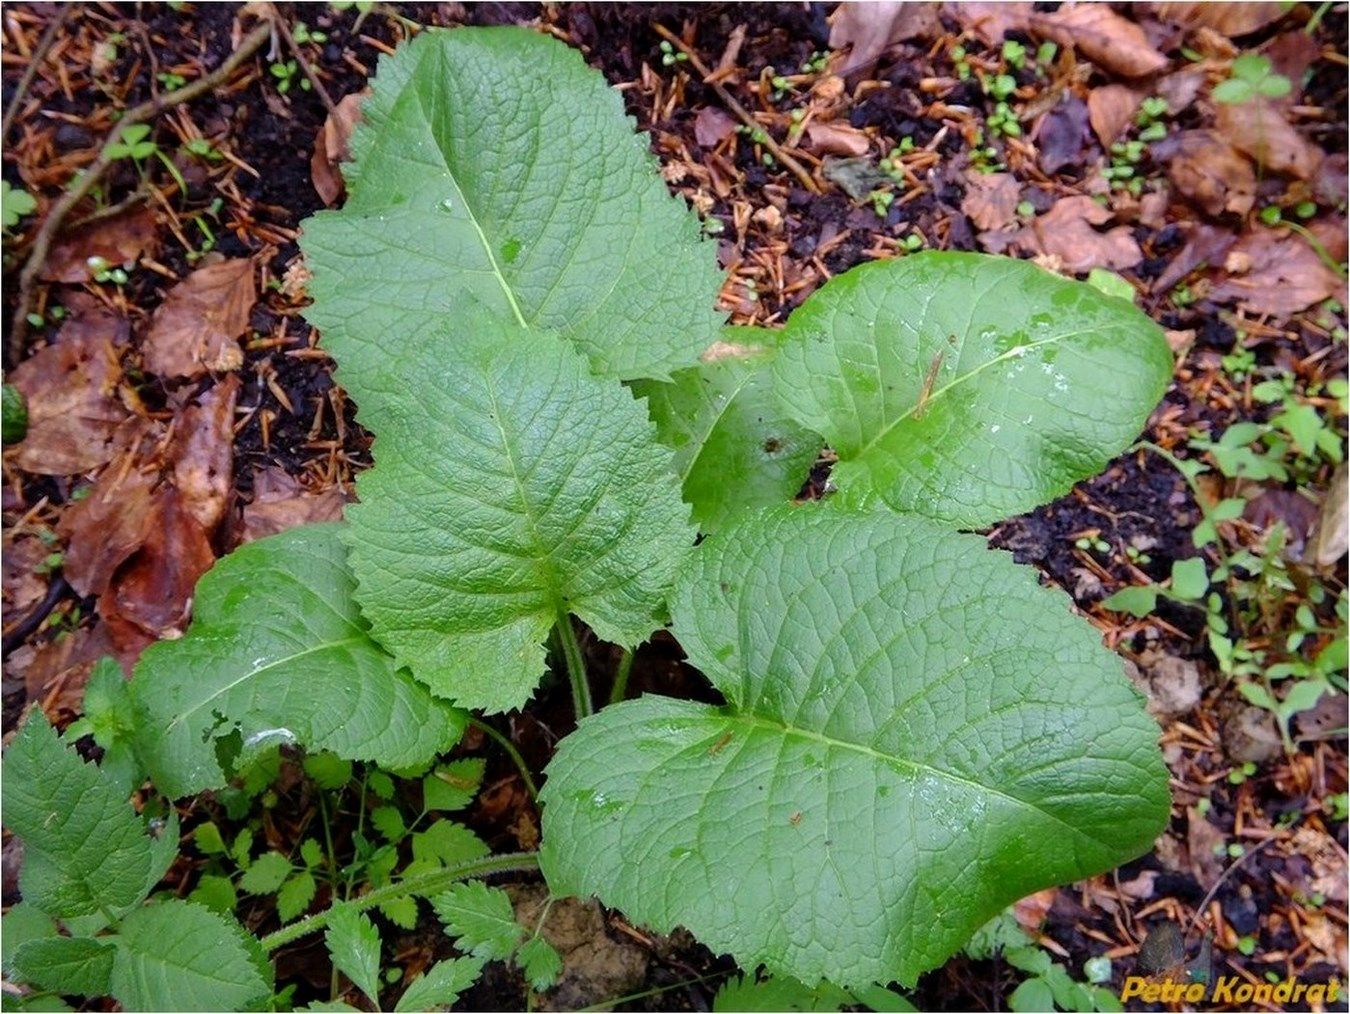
{"x":991,"y":21}
{"x":991,"y":199}
{"x":67,"y":660}
{"x":279,"y":503}
{"x":153,"y":592}
{"x":331,"y":147}
{"x":1032,"y":911}
{"x":120,"y":239}
{"x":1103,"y":36}
{"x":1062,"y":135}
{"x":19,"y":563}
{"x":837,"y":139}
{"x":1333,"y":523}
{"x":1111,"y":109}
{"x":105,"y":528}
{"x":1292,"y":54}
{"x":1180,"y":89}
{"x":1285,"y":274}
{"x":1202,"y":839}
{"x":1231,"y":19}
{"x":868,"y":29}
{"x":712,"y":126}
{"x":1211,"y":173}
{"x":75,"y":420}
{"x":202,"y":453}
{"x":1258,"y":128}
{"x":1206,"y":244}
{"x":1066,"y":233}
{"x":196,"y":327}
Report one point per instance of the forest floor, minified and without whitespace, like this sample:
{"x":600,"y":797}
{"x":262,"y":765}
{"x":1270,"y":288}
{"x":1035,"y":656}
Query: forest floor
{"x":178,"y":402}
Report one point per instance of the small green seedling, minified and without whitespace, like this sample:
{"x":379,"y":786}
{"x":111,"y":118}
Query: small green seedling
{"x":1251,"y":77}
{"x":15,"y":204}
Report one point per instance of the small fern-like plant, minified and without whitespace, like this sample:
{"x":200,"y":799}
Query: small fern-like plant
{"x":914,"y":732}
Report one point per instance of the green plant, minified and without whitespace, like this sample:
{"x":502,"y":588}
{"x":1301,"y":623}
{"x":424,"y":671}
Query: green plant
{"x":170,"y":80}
{"x":1047,"y":985}
{"x":13,"y":415}
{"x":288,"y":75}
{"x":303,"y":34}
{"x":135,"y":143}
{"x":670,"y":56}
{"x":1251,"y":77}
{"x":559,"y":398}
{"x":15,"y":204}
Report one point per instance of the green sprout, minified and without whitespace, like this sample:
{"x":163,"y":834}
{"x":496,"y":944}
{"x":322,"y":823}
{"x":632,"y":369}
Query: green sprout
{"x":668,"y":55}
{"x":15,"y":204}
{"x":1251,"y":77}
{"x":303,"y":34}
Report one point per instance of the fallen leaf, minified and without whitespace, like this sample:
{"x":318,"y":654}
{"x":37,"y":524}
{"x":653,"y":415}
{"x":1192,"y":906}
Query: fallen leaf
{"x":1032,"y":911}
{"x":1171,"y":684}
{"x":1202,"y":840}
{"x":1289,"y":507}
{"x":991,"y":199}
{"x":1062,"y":136}
{"x":1208,"y":170}
{"x":1206,"y":244}
{"x":1103,"y":36}
{"x":279,"y":503}
{"x":1258,"y":128}
{"x":106,"y":527}
{"x":1332,"y":183}
{"x":75,"y":420}
{"x":712,"y":126}
{"x":991,"y":21}
{"x":154,"y":590}
{"x":331,"y":147}
{"x":1292,"y":55}
{"x":119,"y":239}
{"x":1180,"y":89}
{"x":196,"y":327}
{"x":1066,"y":234}
{"x":1111,"y":108}
{"x":1285,"y":274}
{"x":1231,"y":19}
{"x":837,"y":139}
{"x":1331,"y":540}
{"x":868,"y":29}
{"x":202,"y":453}
{"x":19,"y":563}
{"x":67,"y":660}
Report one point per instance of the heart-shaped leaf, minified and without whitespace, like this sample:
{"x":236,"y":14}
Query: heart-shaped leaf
{"x":917,"y":734}
{"x":510,"y":488}
{"x":735,"y":450}
{"x":968,"y":388}
{"x":278,"y":651}
{"x":492,"y":166}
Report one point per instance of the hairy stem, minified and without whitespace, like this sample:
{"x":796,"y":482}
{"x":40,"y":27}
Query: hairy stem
{"x":576,"y":666}
{"x":502,"y":741}
{"x":620,"y":688}
{"x":423,"y":884}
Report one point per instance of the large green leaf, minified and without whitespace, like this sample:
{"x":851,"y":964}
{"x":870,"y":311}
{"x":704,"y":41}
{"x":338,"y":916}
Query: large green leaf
{"x":493,"y":166}
{"x":510,"y":488}
{"x":1036,"y":382}
{"x":278,"y":652}
{"x":85,"y":850}
{"x":916,"y":735}
{"x":66,"y":965}
{"x":177,"y":956}
{"x":735,"y":450}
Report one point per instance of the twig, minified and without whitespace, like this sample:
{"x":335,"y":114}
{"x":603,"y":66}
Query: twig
{"x":741,"y":112}
{"x":30,"y":72}
{"x":312,"y":77}
{"x":81,"y":185}
{"x":1233,"y":868}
